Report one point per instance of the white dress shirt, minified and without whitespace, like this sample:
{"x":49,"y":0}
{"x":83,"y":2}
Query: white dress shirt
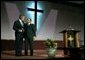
{"x":21,"y":22}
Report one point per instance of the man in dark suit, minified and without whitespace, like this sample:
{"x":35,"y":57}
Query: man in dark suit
{"x":19,"y":30}
{"x":30,"y":33}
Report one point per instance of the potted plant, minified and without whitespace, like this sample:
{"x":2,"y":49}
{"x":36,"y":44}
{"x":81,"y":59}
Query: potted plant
{"x":51,"y":47}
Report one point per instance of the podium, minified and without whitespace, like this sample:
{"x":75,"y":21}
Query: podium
{"x":71,"y":40}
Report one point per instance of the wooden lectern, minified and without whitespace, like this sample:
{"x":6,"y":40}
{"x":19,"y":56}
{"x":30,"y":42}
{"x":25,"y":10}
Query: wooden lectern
{"x":71,"y":40}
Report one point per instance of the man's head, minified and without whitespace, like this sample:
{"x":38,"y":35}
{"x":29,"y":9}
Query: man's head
{"x":29,"y":20}
{"x":22,"y":17}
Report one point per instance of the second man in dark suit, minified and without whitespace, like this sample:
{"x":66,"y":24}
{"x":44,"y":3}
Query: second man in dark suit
{"x":30,"y":33}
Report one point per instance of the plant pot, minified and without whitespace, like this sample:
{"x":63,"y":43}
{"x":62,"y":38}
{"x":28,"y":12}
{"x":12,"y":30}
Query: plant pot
{"x":51,"y":52}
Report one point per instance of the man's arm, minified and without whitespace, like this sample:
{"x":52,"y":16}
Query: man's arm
{"x":15,"y":27}
{"x":34,"y":30}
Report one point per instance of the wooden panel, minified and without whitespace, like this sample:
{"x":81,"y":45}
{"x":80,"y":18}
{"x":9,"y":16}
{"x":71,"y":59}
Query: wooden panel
{"x":38,"y":45}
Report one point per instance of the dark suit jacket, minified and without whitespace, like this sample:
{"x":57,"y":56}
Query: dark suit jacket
{"x":30,"y":30}
{"x":18,"y":36}
{"x":17,"y":26}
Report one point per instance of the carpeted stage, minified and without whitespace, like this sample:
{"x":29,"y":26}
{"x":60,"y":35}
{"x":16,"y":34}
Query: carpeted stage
{"x":38,"y":54}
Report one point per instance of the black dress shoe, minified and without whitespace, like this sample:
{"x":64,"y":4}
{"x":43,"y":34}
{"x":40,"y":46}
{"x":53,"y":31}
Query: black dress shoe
{"x":31,"y":54}
{"x":26,"y":54}
{"x":18,"y":54}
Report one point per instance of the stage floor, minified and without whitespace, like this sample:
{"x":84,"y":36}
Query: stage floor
{"x":38,"y":54}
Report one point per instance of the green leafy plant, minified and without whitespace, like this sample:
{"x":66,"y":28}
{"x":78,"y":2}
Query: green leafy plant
{"x":50,"y":43}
